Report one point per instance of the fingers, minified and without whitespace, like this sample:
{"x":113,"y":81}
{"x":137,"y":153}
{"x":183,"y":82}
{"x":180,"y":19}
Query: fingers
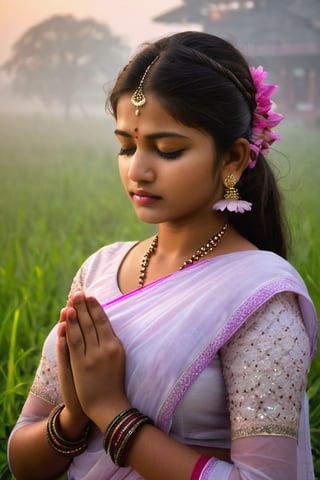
{"x":87,"y":323}
{"x":102,"y":324}
{"x":62,"y":346}
{"x":75,"y":337}
{"x":63,"y":357}
{"x":97,"y":357}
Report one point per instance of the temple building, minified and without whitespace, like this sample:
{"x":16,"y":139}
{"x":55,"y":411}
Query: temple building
{"x":282,"y":35}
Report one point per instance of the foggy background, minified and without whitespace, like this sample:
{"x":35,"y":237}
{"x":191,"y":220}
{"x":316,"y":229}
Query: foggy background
{"x":60,"y":59}
{"x":34,"y":34}
{"x":60,"y":195}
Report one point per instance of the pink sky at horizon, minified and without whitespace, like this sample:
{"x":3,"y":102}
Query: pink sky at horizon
{"x":130,"y":20}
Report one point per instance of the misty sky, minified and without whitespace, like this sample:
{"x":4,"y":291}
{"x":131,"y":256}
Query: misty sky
{"x":129,"y":19}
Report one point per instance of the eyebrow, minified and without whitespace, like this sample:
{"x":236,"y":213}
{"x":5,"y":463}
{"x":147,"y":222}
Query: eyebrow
{"x":152,"y":136}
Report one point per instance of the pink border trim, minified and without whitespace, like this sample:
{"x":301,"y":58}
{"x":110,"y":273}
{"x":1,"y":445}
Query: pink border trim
{"x":209,"y":468}
{"x":199,"y":466}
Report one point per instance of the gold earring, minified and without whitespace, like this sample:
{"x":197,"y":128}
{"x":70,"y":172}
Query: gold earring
{"x":231,"y":199}
{"x":231,"y":192}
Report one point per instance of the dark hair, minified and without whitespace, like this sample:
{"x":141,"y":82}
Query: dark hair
{"x":204,"y":82}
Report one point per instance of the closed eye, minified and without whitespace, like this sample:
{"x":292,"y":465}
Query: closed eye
{"x":171,"y":155}
{"x":127,"y":151}
{"x":167,"y":155}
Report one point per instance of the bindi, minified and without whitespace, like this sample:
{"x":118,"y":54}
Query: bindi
{"x":136,"y":131}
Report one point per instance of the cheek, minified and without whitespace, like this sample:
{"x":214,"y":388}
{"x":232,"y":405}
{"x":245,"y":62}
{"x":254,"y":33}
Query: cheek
{"x":123,"y":171}
{"x":198,"y":182}
{"x":197,"y":175}
{"x":193,"y":187}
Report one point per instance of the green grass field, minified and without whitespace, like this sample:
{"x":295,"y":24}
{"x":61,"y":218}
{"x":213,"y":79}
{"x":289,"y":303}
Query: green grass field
{"x":61,"y":199}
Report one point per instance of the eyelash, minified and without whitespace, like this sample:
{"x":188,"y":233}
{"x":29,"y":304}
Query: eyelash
{"x":127,"y":151}
{"x":167,"y":155}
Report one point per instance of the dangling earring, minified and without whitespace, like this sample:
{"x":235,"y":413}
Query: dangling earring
{"x":231,"y":201}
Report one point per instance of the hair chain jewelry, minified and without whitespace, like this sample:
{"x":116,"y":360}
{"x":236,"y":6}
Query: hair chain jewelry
{"x":206,"y":248}
{"x":138,"y":99}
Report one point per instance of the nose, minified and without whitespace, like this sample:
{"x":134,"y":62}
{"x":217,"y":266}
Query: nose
{"x":141,"y":168}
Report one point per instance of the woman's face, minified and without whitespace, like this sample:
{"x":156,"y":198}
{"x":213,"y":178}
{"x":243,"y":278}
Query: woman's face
{"x":166,"y":168}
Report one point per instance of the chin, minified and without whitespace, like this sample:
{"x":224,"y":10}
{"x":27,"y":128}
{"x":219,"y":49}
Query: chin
{"x":148,"y":217}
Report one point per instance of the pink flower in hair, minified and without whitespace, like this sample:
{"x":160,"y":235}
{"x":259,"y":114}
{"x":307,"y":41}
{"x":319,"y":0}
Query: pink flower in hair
{"x":264,"y":119}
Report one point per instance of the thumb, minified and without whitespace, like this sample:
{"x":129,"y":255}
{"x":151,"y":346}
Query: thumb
{"x":62,"y":346}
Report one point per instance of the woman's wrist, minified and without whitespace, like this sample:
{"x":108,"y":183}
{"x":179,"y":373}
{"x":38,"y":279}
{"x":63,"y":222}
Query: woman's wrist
{"x":57,"y":440}
{"x":72,"y":425}
{"x":103,"y":415}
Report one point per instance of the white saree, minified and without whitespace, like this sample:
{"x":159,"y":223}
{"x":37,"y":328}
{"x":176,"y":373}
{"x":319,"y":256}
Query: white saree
{"x":172,"y":330}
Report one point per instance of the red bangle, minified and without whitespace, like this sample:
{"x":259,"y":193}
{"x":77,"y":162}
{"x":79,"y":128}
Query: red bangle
{"x":197,"y":469}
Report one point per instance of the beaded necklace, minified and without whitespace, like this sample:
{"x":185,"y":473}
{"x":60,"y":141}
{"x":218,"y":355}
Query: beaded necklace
{"x":201,"y":252}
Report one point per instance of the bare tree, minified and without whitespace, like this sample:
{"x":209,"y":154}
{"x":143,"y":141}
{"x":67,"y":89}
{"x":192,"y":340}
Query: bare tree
{"x":66,"y":60}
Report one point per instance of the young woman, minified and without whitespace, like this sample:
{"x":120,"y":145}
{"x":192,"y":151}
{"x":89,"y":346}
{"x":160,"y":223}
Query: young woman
{"x":183,"y":356}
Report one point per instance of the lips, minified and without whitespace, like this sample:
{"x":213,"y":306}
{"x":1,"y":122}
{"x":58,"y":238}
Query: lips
{"x":143,"y":197}
{"x":144,"y":194}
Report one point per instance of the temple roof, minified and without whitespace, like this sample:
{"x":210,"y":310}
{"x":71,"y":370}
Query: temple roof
{"x":259,"y":26}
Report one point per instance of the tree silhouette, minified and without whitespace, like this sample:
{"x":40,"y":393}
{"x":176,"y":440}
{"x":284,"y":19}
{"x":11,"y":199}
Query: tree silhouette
{"x":66,"y":60}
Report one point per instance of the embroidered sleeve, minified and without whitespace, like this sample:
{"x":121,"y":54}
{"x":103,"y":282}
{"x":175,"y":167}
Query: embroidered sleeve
{"x":78,"y":281}
{"x":45,"y":384}
{"x":265,"y":367}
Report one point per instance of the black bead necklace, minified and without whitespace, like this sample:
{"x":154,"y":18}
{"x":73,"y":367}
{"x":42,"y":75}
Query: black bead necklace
{"x":201,"y":252}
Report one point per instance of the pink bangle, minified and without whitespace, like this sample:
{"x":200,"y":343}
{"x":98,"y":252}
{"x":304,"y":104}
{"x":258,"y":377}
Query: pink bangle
{"x":197,"y":470}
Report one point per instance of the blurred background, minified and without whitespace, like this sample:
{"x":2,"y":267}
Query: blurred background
{"x":54,"y":54}
{"x":57,"y":53}
{"x":60,"y":197}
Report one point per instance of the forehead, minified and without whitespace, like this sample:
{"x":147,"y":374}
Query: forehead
{"x":153,"y":118}
{"x":152,"y":111}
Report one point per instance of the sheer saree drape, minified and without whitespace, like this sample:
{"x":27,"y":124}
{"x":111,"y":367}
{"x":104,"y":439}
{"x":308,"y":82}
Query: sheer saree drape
{"x":180,"y":323}
{"x":171,"y":330}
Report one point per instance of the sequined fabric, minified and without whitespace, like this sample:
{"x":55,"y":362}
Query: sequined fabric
{"x":262,"y":400}
{"x":46,"y":384}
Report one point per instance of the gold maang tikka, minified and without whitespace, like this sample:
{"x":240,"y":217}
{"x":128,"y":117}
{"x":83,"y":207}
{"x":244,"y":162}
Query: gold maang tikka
{"x":138,"y":99}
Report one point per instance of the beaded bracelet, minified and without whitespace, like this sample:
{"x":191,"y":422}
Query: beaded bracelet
{"x":121,"y":431}
{"x":59,"y":444}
